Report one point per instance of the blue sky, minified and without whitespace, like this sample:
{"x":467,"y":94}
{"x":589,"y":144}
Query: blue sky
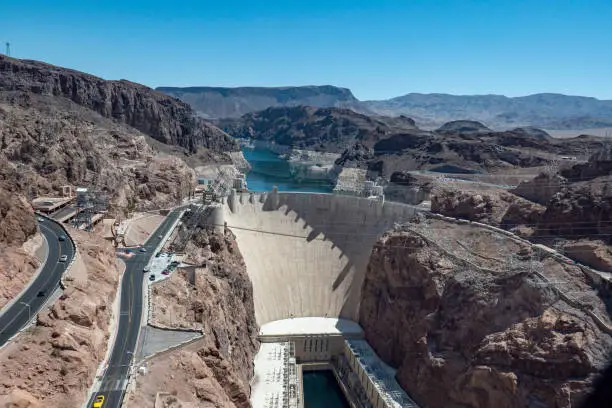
{"x":378,"y":49}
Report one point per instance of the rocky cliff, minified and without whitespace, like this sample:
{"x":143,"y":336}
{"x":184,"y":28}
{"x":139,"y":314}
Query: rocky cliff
{"x":155,"y":114}
{"x":18,"y":240}
{"x":216,"y":102}
{"x":215,"y":296}
{"x":472,"y":319}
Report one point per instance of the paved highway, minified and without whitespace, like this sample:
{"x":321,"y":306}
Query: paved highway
{"x":117,"y":372}
{"x":43,"y":286}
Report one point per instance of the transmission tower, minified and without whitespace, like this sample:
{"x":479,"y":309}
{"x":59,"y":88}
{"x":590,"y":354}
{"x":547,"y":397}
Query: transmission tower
{"x":8,"y":48}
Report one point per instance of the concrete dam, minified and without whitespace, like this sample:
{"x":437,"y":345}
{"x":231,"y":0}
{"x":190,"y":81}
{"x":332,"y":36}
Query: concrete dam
{"x":307,"y":254}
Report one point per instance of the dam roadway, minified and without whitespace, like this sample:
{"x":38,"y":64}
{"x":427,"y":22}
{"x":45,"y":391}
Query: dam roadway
{"x":31,"y":301}
{"x":117,"y":373}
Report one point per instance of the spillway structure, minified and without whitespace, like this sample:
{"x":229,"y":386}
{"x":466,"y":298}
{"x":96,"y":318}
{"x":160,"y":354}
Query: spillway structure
{"x":306,"y":255}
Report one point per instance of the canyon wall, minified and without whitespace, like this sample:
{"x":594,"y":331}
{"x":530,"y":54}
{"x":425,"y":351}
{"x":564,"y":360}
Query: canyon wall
{"x":472,"y":319}
{"x":158,"y":115}
{"x":216,"y":297}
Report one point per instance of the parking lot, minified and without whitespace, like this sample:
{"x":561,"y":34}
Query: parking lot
{"x":162,"y":265}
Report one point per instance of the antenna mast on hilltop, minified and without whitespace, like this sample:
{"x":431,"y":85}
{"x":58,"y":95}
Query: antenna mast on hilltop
{"x":8,"y":48}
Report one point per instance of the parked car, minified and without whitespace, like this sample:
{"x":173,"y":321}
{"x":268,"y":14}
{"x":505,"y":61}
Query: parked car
{"x":63,"y":258}
{"x":152,"y":277}
{"x":40,"y":219}
{"x":145,"y":269}
{"x":166,"y":272}
{"x":174,"y":263}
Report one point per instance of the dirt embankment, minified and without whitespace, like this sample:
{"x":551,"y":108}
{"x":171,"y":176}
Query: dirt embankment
{"x":54,"y":362}
{"x":217,"y":297}
{"x":467,"y":319}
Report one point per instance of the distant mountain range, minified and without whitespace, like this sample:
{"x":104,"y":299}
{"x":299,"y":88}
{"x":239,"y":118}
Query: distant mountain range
{"x":546,"y":110}
{"x":214,"y":103}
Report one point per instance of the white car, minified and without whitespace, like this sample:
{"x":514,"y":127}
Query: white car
{"x":63,"y":258}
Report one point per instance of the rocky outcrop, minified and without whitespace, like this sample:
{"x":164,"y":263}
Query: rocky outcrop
{"x":56,"y":360}
{"x":595,"y":253}
{"x":153,"y":113}
{"x":583,"y":205}
{"x":582,"y":210}
{"x":308,"y":128}
{"x":215,"y":296}
{"x":468,"y":318}
{"x":542,"y":188}
{"x":463,"y":126}
{"x":487,"y":205}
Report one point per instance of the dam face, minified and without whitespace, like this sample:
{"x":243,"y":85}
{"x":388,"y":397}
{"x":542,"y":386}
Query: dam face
{"x":307,"y":254}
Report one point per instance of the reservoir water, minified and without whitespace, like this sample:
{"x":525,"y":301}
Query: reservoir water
{"x":322,"y":391}
{"x":269,"y":170}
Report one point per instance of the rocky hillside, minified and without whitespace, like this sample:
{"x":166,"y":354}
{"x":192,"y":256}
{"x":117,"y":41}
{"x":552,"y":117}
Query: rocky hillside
{"x":218,"y":299}
{"x":47,"y":142}
{"x":551,"y":111}
{"x":214,"y":102}
{"x":321,"y":129}
{"x":153,"y":113}
{"x":472,"y":319}
{"x":385,"y":145}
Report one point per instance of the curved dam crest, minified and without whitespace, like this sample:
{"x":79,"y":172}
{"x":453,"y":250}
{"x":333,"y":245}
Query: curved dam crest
{"x":307,"y":254}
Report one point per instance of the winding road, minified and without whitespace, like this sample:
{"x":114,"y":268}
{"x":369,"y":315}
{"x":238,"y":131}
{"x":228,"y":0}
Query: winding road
{"x":117,"y":373}
{"x":29,"y":303}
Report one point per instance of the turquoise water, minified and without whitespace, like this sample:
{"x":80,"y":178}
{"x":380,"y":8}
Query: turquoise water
{"x":269,"y":170}
{"x":322,"y":391}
